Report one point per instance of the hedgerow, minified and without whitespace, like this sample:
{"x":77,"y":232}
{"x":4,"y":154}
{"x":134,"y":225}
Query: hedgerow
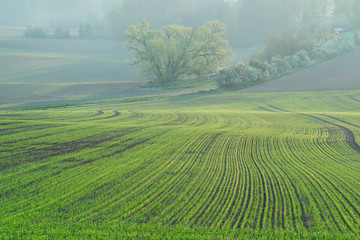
{"x":272,"y":63}
{"x":238,"y":75}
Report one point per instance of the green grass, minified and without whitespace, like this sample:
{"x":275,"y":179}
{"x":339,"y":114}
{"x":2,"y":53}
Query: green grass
{"x":197,"y":166}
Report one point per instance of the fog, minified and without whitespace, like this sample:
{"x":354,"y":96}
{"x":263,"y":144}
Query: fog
{"x":249,"y":22}
{"x":54,"y":13}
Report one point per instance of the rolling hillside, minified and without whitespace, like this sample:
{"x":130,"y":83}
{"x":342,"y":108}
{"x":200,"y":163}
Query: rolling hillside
{"x":200,"y":166}
{"x":276,"y":161}
{"x":341,"y":73}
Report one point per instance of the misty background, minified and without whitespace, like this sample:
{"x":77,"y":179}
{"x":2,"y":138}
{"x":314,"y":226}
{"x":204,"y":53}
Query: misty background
{"x":249,"y":22}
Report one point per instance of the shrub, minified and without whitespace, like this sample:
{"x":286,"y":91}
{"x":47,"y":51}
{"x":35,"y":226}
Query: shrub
{"x":262,"y":65}
{"x":293,"y":61}
{"x":279,"y":66}
{"x":237,"y":76}
{"x":304,"y":57}
{"x":225,"y":78}
{"x":323,"y":49}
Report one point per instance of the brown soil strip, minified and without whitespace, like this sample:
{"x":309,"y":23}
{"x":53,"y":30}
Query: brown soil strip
{"x":225,"y":191}
{"x":262,"y":178}
{"x":272,"y":190}
{"x":344,"y":197}
{"x":56,"y":149}
{"x":354,"y":99}
{"x":340,"y":73}
{"x":176,"y":181}
{"x":250,"y":190}
{"x":127,"y":147}
{"x":279,"y":109}
{"x":9,"y":123}
{"x":98,"y":113}
{"x":208,"y":177}
{"x":95,"y":115}
{"x":10,"y":131}
{"x":116,"y":113}
{"x":329,"y":141}
{"x":181,"y":118}
{"x":214,"y":192}
{"x":172,"y":165}
{"x":350,"y":138}
{"x":327,"y":180}
{"x":247,"y":188}
{"x":281,"y":195}
{"x":340,"y":120}
{"x":265,"y":109}
{"x":241,"y":187}
{"x":287,"y":188}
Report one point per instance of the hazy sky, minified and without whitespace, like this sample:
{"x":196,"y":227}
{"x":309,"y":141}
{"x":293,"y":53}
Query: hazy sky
{"x":56,"y":13}
{"x":62,"y":13}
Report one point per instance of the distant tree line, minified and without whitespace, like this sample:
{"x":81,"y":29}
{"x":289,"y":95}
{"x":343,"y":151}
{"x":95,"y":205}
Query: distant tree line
{"x":85,"y":31}
{"x":54,"y":13}
{"x":249,"y":22}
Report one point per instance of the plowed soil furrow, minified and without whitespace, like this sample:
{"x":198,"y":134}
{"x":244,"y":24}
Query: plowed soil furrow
{"x":177,"y":180}
{"x":279,"y":109}
{"x":265,"y":109}
{"x":319,"y":183}
{"x":340,"y":120}
{"x":8,"y":123}
{"x":210,"y":182}
{"x":205,"y":148}
{"x":350,"y":138}
{"x":353,"y":98}
{"x":116,"y":113}
{"x":199,"y":187}
{"x":271,"y":192}
{"x":262,"y":190}
{"x":290,"y":185}
{"x":241,"y":184}
{"x":227,"y":190}
{"x":168,"y":167}
{"x":10,"y":131}
{"x":198,"y":184}
{"x":245,"y":195}
{"x":272,"y":166}
{"x":58,"y":149}
{"x":326,"y":151}
{"x":215,"y":191}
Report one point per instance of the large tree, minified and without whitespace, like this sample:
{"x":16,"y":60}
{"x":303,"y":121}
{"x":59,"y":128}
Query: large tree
{"x":174,"y":52}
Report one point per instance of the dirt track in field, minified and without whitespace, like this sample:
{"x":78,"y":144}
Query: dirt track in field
{"x":341,"y":73}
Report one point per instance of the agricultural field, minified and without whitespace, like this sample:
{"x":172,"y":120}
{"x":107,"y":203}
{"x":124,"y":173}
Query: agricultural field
{"x":341,"y":73}
{"x":41,"y":72}
{"x":49,"y":71}
{"x":196,"y":166}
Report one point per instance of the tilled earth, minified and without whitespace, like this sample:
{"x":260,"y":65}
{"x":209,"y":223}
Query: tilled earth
{"x":341,"y":73}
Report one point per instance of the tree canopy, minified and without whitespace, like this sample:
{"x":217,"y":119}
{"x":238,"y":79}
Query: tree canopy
{"x":173,"y":52}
